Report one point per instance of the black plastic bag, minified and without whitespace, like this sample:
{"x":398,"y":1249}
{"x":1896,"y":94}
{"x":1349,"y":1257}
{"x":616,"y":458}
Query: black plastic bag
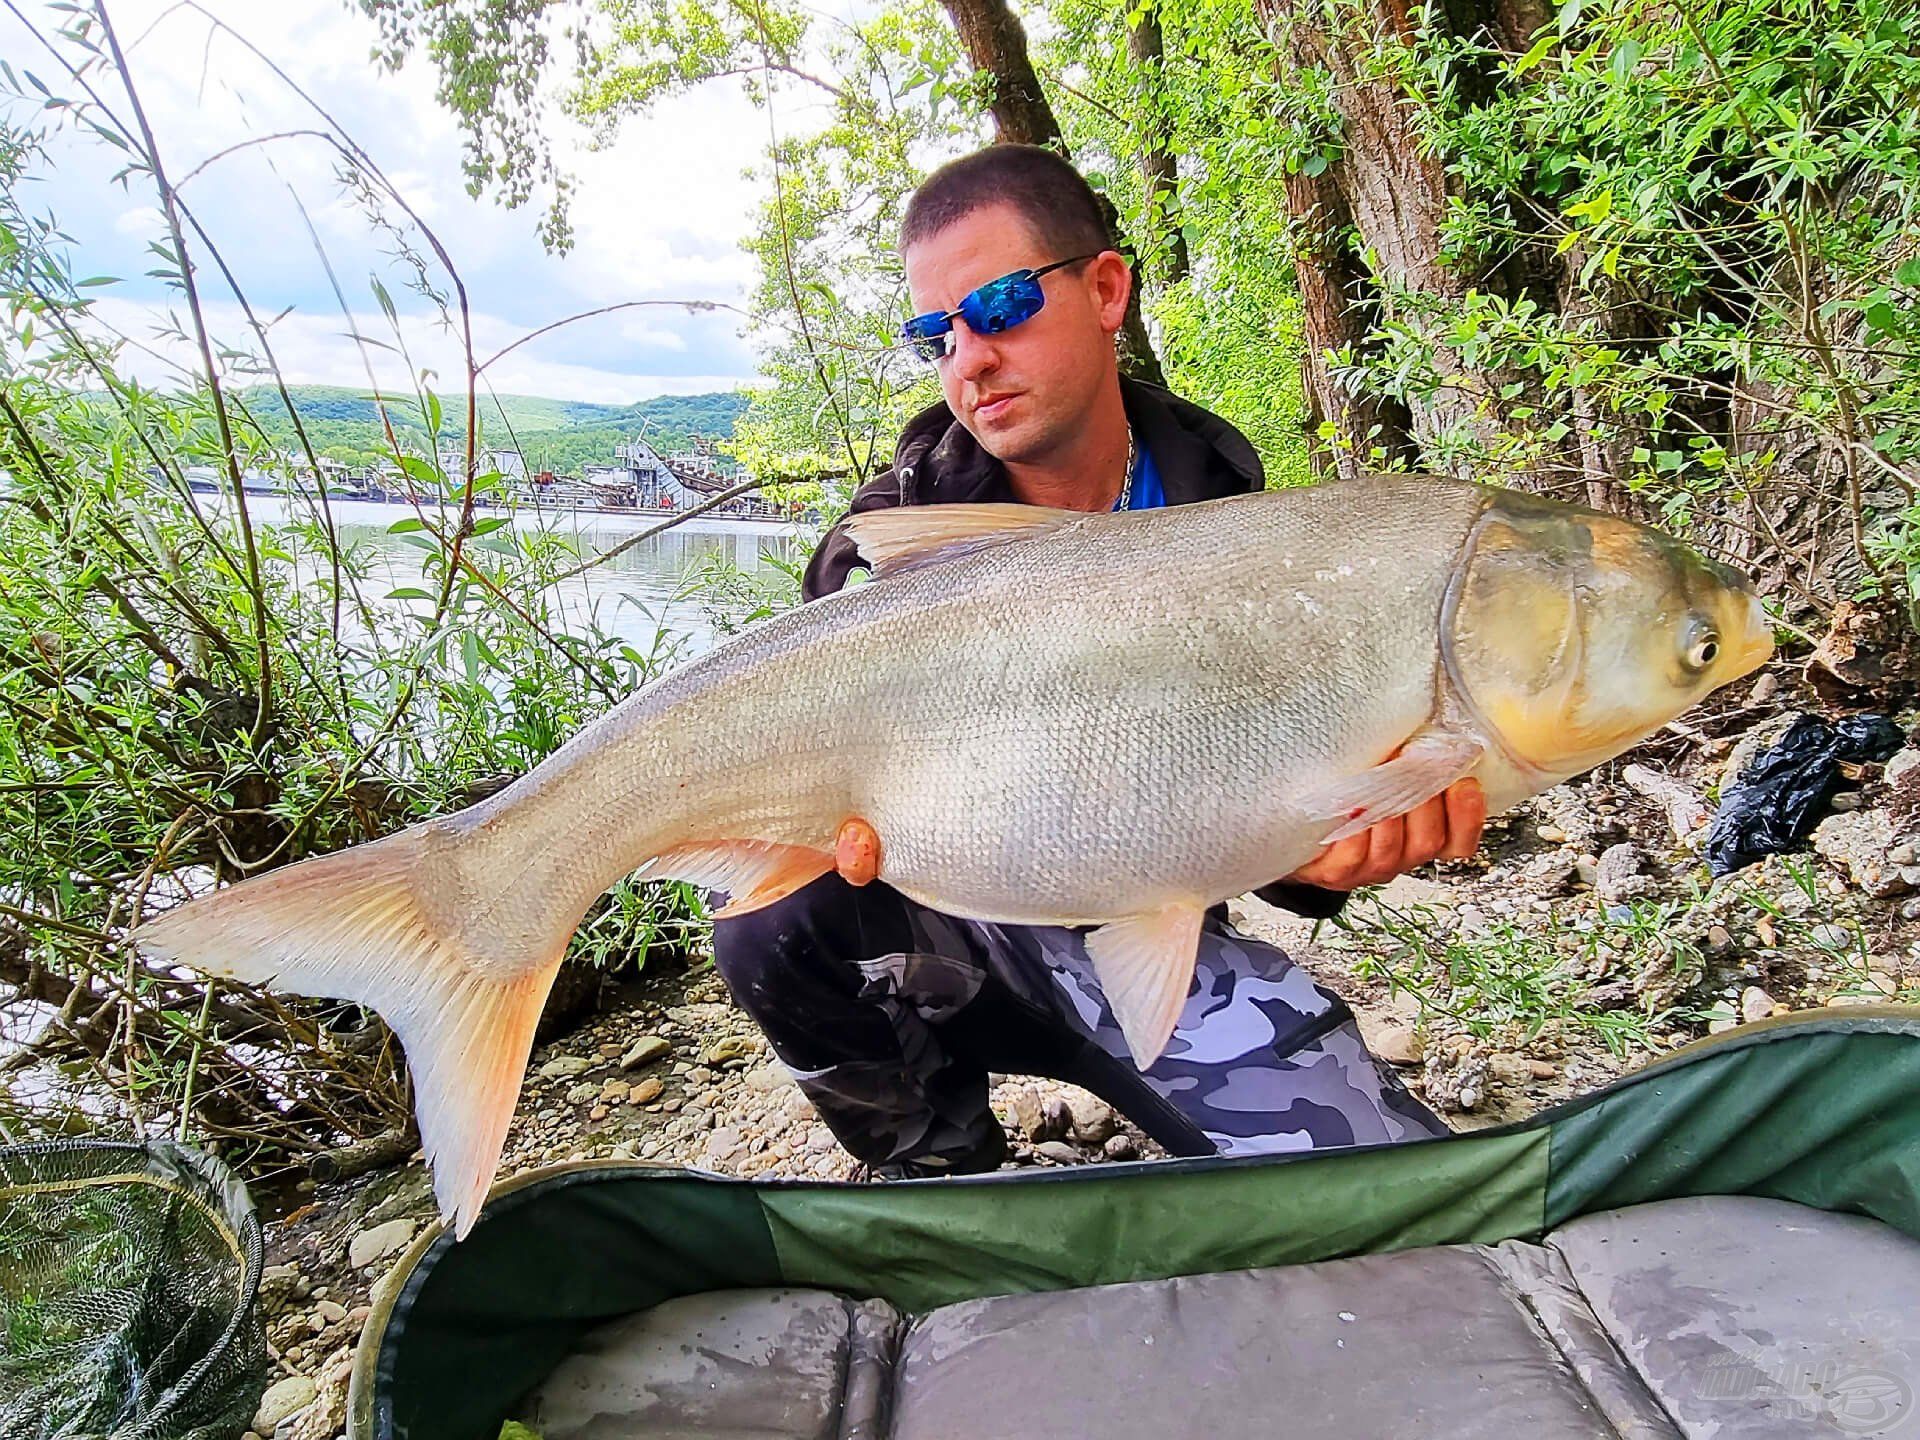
{"x":1773,"y":807}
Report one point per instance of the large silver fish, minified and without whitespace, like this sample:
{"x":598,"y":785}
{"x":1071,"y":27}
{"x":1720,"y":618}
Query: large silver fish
{"x":1049,"y":717}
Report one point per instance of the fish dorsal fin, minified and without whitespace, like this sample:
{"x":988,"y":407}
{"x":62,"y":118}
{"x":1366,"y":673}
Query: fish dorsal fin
{"x":896,"y":541}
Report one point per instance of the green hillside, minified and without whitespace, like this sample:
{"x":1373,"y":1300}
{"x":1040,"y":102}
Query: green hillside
{"x":559,"y":435}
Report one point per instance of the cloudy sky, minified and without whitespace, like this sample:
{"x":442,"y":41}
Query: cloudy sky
{"x":659,"y":215}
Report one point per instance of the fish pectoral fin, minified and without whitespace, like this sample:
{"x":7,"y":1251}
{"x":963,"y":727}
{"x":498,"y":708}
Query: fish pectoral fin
{"x":896,"y":541}
{"x":752,"y":872}
{"x":1427,"y":764}
{"x":1145,"y":966}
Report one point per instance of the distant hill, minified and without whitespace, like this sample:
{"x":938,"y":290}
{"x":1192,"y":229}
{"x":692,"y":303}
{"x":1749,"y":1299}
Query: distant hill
{"x":559,"y":435}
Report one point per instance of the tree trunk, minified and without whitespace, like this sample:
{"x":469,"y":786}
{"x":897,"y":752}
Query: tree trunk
{"x":996,"y":42}
{"x":1159,"y":168}
{"x":1373,"y":222}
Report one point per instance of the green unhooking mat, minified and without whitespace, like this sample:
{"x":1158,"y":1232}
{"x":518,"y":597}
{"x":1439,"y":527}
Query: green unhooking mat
{"x":1576,"y":1241}
{"x":128,"y":1276}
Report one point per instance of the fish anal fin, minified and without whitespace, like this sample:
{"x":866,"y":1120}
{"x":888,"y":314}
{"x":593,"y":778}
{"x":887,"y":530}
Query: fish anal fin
{"x":753,"y":873}
{"x":1145,"y":966}
{"x":1427,"y":764}
{"x":896,"y":541}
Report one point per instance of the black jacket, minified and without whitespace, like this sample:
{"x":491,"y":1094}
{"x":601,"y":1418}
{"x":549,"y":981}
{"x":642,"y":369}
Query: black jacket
{"x":937,"y":462}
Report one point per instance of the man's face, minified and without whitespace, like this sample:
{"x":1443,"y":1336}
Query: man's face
{"x":1025,"y":393}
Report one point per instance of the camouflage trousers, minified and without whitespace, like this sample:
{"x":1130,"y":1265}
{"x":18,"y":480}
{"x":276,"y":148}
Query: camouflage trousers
{"x":892,"y":1016}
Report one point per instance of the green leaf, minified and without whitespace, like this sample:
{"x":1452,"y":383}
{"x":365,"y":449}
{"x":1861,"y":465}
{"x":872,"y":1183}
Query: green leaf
{"x":401,"y":527}
{"x":1909,"y":273}
{"x":1536,"y":52}
{"x":411,"y":592}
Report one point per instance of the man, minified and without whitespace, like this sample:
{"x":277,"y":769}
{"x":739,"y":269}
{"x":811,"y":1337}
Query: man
{"x":892,"y":1015}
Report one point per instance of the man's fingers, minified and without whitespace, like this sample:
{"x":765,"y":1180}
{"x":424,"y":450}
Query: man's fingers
{"x":1335,"y":867}
{"x":1426,"y":832}
{"x":1386,"y":849}
{"x":856,"y":852}
{"x":1466,"y":806}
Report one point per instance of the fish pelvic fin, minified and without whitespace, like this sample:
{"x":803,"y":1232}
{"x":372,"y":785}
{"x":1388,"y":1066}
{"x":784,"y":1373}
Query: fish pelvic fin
{"x":753,"y":873}
{"x":1427,"y":764}
{"x":1145,"y":967}
{"x":372,"y":925}
{"x":895,"y":542}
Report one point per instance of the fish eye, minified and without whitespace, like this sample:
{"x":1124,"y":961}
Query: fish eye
{"x":1704,"y":650}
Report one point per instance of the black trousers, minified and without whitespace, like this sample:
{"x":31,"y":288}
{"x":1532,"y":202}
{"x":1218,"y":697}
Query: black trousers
{"x":892,"y":1015}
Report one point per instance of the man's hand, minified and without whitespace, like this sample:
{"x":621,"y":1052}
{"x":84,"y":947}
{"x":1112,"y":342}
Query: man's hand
{"x":856,"y":852}
{"x":1446,"y":827}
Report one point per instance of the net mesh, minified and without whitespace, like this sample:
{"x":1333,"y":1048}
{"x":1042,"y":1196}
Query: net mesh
{"x":128,"y":1275}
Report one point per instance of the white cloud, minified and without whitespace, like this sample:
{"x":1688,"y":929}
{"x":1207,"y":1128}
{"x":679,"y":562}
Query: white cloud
{"x":321,"y":350}
{"x":143,"y":222}
{"x":657,"y":214}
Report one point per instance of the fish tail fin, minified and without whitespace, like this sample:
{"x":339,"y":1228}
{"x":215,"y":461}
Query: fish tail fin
{"x":460,"y":978}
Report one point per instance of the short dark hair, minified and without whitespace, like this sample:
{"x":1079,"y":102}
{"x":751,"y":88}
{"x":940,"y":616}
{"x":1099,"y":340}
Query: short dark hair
{"x":1040,"y":185}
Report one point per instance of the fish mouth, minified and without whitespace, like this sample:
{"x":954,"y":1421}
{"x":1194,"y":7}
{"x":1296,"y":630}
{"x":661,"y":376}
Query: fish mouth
{"x":1756,"y":646}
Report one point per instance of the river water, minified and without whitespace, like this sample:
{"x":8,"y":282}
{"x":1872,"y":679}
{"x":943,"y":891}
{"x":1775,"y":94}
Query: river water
{"x":638,"y":595}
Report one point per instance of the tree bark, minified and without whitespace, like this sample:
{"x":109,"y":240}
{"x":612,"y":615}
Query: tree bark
{"x":1374,"y":218}
{"x":996,"y":43}
{"x":1159,"y":167}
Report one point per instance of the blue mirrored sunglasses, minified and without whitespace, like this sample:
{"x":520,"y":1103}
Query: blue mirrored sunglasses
{"x":997,"y":305}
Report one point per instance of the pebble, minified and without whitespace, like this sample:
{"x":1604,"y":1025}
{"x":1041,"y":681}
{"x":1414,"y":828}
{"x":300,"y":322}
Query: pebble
{"x":377,"y":1242}
{"x":1121,"y":1147}
{"x":564,"y":1067}
{"x":1058,"y":1151}
{"x":728,"y":1051}
{"x":644,"y":1051}
{"x":1093,"y":1120}
{"x":647,"y":1091}
{"x":1055,"y":1119}
{"x":766,"y":1079}
{"x":285,"y":1398}
{"x":1620,"y":874}
{"x":1023,"y":1105}
{"x":1829,"y":936}
{"x":331,"y":1311}
{"x":616,"y":1091}
{"x":1755,"y":1004}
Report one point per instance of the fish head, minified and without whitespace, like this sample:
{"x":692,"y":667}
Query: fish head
{"x":1571,"y":634}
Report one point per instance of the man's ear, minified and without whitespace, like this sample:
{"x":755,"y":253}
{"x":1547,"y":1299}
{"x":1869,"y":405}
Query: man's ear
{"x":1111,"y":281}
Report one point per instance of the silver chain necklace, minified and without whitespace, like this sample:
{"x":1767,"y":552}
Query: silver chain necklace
{"x":1125,"y":501}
